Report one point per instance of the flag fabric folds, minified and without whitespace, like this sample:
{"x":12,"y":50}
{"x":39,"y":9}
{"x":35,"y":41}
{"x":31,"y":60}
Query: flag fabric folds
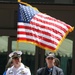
{"x":40,"y":29}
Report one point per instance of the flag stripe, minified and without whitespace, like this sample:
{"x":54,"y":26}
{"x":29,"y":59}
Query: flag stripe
{"x":39,"y":40}
{"x":47,"y":31}
{"x":36,"y":30}
{"x":36,"y":42}
{"x":42,"y":41}
{"x":46,"y":24}
{"x":43,"y":34}
{"x":37,"y":22}
{"x":53,"y":20}
{"x":56,"y":21}
{"x":37,"y":36}
{"x":51,"y":28}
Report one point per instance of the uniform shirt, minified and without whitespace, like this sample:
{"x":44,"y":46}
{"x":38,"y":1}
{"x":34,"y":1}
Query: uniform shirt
{"x":22,"y":70}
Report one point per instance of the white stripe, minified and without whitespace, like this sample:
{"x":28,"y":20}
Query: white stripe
{"x":37,"y":39}
{"x":23,"y":24}
{"x":55,"y":22}
{"x":42,"y":29}
{"x":50,"y":26}
{"x":53,"y":18}
{"x":20,"y":23}
{"x":38,"y":34}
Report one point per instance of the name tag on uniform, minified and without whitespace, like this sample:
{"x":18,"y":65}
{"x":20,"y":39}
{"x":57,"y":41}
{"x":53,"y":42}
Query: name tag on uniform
{"x":22,"y":72}
{"x":11,"y":73}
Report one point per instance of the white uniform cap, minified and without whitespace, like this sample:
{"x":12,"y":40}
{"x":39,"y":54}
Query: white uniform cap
{"x":15,"y":54}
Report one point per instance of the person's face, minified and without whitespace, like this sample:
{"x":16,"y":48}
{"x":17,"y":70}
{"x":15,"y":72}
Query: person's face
{"x":16,"y":60}
{"x":11,"y":64}
{"x":49,"y":61}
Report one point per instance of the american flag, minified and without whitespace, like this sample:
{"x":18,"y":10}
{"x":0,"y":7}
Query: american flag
{"x":40,"y":29}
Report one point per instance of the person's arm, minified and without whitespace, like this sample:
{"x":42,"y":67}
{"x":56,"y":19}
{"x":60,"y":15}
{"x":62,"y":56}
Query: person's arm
{"x":7,"y":72}
{"x":61,"y":72}
{"x":37,"y":73}
{"x":29,"y":73}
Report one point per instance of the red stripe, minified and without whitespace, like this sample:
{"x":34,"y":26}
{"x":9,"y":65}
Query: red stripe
{"x":47,"y":28}
{"x":42,"y":32}
{"x":68,"y":26}
{"x":49,"y":23}
{"x":21,"y":26}
{"x":53,"y":30}
{"x":41,"y":44}
{"x":54,"y":19}
{"x":39,"y":37}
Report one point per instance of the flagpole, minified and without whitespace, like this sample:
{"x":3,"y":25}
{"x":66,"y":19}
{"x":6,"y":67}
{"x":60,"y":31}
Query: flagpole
{"x":17,"y":48}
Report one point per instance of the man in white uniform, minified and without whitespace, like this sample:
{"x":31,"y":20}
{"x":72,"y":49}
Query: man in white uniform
{"x":18,"y":68}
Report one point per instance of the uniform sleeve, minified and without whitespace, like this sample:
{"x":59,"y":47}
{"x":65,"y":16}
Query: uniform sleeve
{"x":39,"y":71}
{"x":7,"y":72}
{"x":61,"y":72}
{"x":58,"y":70}
{"x":28,"y":73}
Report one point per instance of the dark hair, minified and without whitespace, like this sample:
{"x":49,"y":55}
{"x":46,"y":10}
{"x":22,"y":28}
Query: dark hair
{"x":57,"y":62}
{"x":8,"y":64}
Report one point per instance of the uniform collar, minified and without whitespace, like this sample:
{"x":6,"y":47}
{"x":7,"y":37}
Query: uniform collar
{"x":50,"y":69}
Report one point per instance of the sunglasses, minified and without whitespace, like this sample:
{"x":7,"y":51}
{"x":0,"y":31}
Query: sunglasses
{"x":50,"y":58}
{"x":15,"y":58}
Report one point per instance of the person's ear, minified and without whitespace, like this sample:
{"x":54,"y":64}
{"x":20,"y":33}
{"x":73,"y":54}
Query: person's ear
{"x":45,"y":59}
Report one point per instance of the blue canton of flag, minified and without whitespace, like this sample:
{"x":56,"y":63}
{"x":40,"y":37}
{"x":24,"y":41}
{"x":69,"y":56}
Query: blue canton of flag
{"x":26,"y":13}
